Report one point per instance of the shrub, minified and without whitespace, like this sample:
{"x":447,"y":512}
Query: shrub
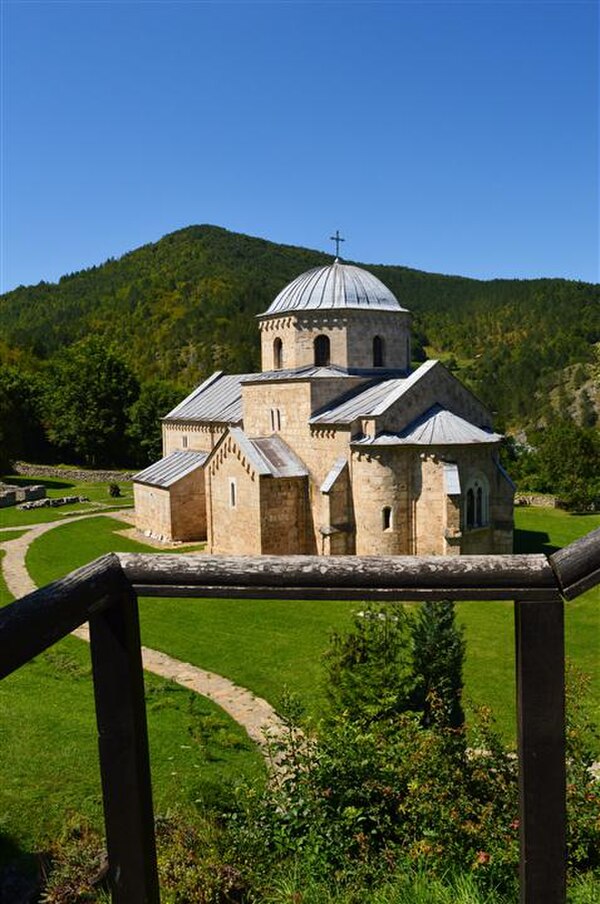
{"x":369,"y":671}
{"x":438,"y":656}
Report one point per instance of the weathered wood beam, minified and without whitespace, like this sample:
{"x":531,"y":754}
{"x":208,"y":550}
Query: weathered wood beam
{"x":40,"y":619}
{"x":342,"y":577}
{"x":123,"y":747}
{"x":577,"y":566}
{"x":540,"y":665}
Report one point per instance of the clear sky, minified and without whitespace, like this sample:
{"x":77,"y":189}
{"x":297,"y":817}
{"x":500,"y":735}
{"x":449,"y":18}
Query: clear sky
{"x":452,"y":137}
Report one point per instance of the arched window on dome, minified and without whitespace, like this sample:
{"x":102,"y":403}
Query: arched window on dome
{"x":378,"y":352}
{"x":477,"y":503}
{"x":277,"y":354}
{"x":322,"y":348}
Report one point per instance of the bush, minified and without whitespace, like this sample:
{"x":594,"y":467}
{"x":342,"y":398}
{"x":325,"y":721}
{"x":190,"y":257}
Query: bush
{"x":114,"y":490}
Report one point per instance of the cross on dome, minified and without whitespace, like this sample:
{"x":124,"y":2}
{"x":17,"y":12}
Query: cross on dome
{"x":337,"y":239}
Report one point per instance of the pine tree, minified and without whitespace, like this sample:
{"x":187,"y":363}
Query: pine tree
{"x":438,"y":657}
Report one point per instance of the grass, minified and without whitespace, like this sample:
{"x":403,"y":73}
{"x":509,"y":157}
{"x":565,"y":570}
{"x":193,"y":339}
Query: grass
{"x":267,"y":645}
{"x":5,"y":594}
{"x":97,"y":493}
{"x":197,"y":751}
{"x":11,"y":535}
{"x":408,"y":887}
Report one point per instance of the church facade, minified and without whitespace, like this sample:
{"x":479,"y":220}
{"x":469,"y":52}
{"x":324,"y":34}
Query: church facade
{"x":336,"y":446}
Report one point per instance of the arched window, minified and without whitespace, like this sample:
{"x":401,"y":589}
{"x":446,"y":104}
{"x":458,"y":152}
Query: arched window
{"x":386,"y":517}
{"x":322,"y":351}
{"x":477,"y":503}
{"x":277,"y":354}
{"x":470,"y":508}
{"x":378,"y":352}
{"x":479,"y":507}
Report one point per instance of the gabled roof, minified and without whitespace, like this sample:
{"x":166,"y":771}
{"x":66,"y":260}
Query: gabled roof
{"x":369,"y":401}
{"x":310,"y":371}
{"x":219,"y":398}
{"x":436,"y":427}
{"x":169,"y":470}
{"x":270,"y":456}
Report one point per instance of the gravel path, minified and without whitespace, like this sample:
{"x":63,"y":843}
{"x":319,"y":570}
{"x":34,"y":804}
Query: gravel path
{"x":254,"y":714}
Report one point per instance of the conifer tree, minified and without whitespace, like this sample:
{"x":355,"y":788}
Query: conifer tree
{"x":438,"y":657}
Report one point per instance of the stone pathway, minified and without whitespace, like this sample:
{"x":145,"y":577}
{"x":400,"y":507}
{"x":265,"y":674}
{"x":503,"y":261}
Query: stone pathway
{"x":254,"y":714}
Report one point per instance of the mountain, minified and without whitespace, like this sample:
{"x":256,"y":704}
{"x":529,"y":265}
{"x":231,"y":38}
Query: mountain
{"x":184,"y":306}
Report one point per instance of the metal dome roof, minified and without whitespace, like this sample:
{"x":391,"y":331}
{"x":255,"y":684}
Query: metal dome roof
{"x":335,"y":286}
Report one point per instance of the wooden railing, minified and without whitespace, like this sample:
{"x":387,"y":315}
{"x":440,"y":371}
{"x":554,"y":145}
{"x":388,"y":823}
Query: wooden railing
{"x":104,"y":594}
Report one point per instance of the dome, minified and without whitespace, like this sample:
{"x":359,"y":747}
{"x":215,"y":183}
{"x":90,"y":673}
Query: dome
{"x":335,"y":286}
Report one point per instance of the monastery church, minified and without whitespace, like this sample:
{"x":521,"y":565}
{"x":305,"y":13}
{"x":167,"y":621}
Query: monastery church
{"x":336,"y":446}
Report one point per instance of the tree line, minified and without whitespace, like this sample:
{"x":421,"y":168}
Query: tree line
{"x":86,"y":406}
{"x":184,"y":306}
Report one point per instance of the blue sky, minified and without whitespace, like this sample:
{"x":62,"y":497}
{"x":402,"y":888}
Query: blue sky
{"x":451,"y":137}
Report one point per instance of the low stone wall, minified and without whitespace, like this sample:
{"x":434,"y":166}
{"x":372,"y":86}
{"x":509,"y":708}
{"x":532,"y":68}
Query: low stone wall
{"x":532,"y":499}
{"x":74,"y":475}
{"x":11,"y":495}
{"x":7,"y":497}
{"x":52,"y":503}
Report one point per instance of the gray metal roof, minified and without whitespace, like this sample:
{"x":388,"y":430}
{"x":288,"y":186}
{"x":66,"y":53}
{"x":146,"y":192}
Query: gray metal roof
{"x":338,"y":285}
{"x":169,"y":470}
{"x":311,"y":371}
{"x":282,"y":461}
{"x":436,"y":427}
{"x":369,"y":401}
{"x":217,"y":399}
{"x":506,"y":476}
{"x":338,"y":466}
{"x":451,"y":479}
{"x":270,"y":456}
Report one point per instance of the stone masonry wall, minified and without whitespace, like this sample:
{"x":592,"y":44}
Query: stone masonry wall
{"x":380,"y":479}
{"x":286,"y":524}
{"x":436,"y":386}
{"x":188,"y":507}
{"x":199,"y":437}
{"x":393,"y":328}
{"x":152,"y":511}
{"x":350,"y":332}
{"x":233,"y":530}
{"x":337,"y":511}
{"x":430,"y":509}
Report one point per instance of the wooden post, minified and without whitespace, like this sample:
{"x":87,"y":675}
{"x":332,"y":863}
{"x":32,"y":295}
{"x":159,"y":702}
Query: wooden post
{"x":539,"y":628}
{"x":124,"y":757}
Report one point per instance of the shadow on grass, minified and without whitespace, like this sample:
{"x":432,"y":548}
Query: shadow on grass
{"x":19,"y":872}
{"x":528,"y":541}
{"x":53,"y":484}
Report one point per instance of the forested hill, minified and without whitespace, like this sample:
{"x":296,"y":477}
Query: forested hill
{"x":186,"y":305}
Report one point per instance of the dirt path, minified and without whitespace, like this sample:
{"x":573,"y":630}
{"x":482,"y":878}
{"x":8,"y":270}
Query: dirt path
{"x":254,"y":714}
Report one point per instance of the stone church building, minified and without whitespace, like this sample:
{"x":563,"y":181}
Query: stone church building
{"x":336,"y":446}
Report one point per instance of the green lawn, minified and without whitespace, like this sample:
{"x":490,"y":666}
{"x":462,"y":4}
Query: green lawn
{"x":5,"y":595}
{"x":97,"y":493}
{"x":11,"y":534}
{"x":267,"y":645}
{"x":197,"y":751}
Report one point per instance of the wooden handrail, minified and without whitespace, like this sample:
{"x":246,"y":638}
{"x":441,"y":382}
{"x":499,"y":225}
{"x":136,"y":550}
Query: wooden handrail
{"x":577,"y":566}
{"x":343,"y":577}
{"x":104,"y":593}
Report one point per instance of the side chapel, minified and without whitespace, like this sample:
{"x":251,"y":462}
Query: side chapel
{"x":336,"y":446}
